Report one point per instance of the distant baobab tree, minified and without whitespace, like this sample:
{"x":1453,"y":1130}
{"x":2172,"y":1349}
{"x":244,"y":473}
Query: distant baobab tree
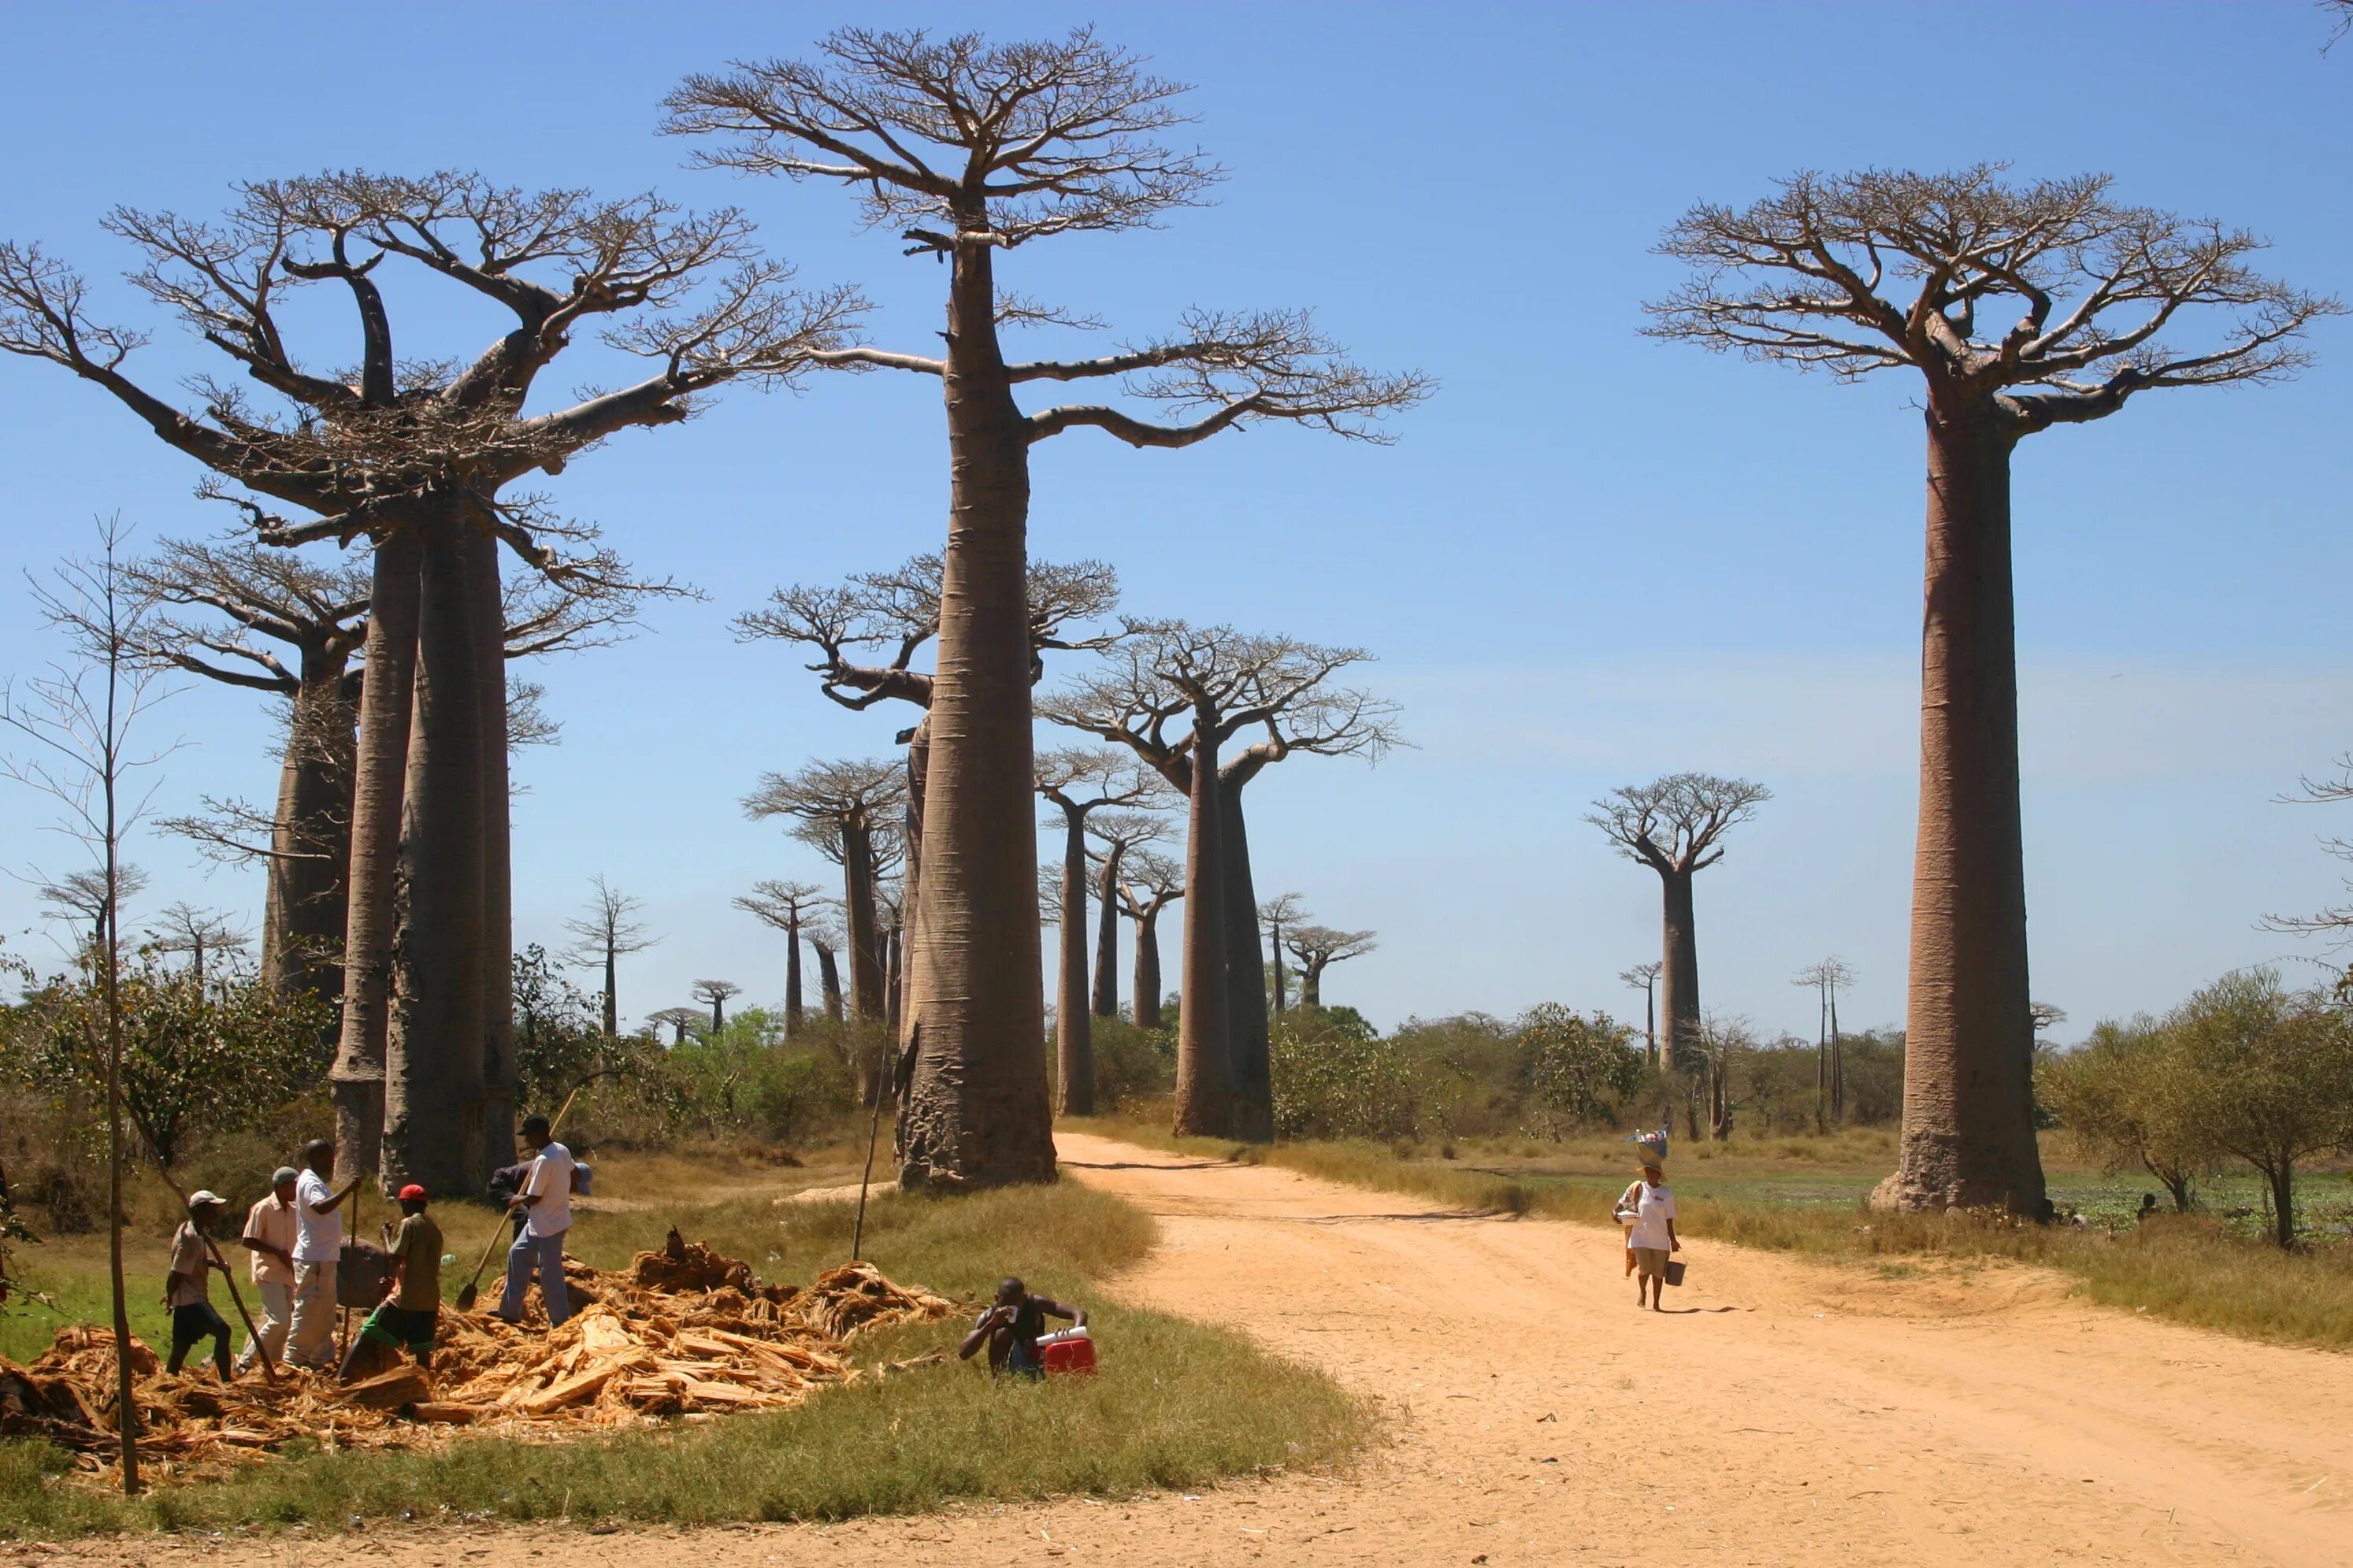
{"x":716,"y":993}
{"x":679,"y":1020}
{"x":854,"y":802}
{"x":608,"y":932}
{"x":1282,"y":910}
{"x":1644,"y":977}
{"x":787,"y":905}
{"x":2045,"y":1017}
{"x":184,"y":928}
{"x":1149,"y":885}
{"x":86,"y":898}
{"x":1891,"y":269}
{"x":1119,"y":834}
{"x":1078,"y":781}
{"x":969,"y":150}
{"x":1318,"y":947}
{"x":1828,"y":978}
{"x":1675,"y":826}
{"x":825,"y":941}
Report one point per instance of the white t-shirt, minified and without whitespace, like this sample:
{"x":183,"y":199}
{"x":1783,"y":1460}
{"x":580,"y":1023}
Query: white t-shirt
{"x":1655,"y":1207}
{"x":550,"y":1179}
{"x":317,"y":1237}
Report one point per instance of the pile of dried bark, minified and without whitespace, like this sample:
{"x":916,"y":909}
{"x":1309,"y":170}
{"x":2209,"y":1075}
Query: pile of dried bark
{"x":684,"y":1332}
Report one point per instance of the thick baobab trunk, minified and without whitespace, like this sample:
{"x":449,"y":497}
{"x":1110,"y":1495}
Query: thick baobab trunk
{"x":502,"y":1080}
{"x":307,"y":897}
{"x":1074,"y":1039}
{"x":1251,"y":1080}
{"x":1274,"y":945}
{"x":434,"y":1047}
{"x":792,"y":1010}
{"x":1203,"y":1071}
{"x":829,"y":976}
{"x":379,"y":780}
{"x":1679,"y":1042}
{"x":1968,"y":1126}
{"x":976,"y":1108}
{"x":1147,"y":972}
{"x":1105,"y":997}
{"x":865,"y":936}
{"x":1311,"y":985}
{"x":612,"y":994}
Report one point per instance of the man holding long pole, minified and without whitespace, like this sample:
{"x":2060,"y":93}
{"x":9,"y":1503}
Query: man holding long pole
{"x":318,"y":1248}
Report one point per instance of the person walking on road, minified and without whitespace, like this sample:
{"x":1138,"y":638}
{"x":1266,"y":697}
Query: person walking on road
{"x":188,"y":1289}
{"x":271,"y":1233}
{"x":545,"y":1202}
{"x":1653,"y":1203}
{"x":318,"y":1248}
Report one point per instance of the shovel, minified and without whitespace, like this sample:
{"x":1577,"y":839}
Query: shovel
{"x":472,"y":1291}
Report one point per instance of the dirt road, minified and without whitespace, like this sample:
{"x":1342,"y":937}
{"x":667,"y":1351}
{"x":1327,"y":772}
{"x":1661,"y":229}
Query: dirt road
{"x":1781,"y":1414}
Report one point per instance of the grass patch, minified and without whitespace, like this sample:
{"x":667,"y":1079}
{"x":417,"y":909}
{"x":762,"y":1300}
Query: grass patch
{"x":2211,"y":1271}
{"x":1177,"y":1403}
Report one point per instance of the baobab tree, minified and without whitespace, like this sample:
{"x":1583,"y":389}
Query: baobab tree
{"x":184,"y":928}
{"x":1318,"y":947}
{"x":679,"y":1020}
{"x":1080,"y":781}
{"x":1828,"y":978}
{"x":825,"y":941}
{"x":716,"y":992}
{"x":1220,"y":684}
{"x":1891,"y":269}
{"x":1120,"y":833}
{"x":1644,"y":977}
{"x":1150,"y":883}
{"x":1675,"y":826}
{"x":969,"y":149}
{"x":787,"y":905}
{"x":413,"y":452}
{"x":851,"y":805}
{"x":86,"y":898}
{"x":609,"y":932}
{"x":1274,"y":914}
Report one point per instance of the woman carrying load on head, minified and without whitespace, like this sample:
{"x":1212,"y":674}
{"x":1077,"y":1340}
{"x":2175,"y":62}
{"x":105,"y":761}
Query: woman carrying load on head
{"x":1651,"y":1205}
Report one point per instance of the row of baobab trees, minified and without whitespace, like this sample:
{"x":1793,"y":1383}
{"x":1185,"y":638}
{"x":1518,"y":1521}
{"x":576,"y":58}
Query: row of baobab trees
{"x":2020,"y":305}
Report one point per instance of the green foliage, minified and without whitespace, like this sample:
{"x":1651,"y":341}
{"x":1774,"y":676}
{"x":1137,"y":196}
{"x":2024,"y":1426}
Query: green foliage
{"x":1131,"y":1065}
{"x":2121,"y":1099}
{"x":1335,"y":1078}
{"x":1580,"y":1069}
{"x":748,"y":1079}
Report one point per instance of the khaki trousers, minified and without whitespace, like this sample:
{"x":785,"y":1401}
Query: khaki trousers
{"x":311,"y":1335}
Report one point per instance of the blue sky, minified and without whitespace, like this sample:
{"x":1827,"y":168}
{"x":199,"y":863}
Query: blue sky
{"x":1593,"y":558}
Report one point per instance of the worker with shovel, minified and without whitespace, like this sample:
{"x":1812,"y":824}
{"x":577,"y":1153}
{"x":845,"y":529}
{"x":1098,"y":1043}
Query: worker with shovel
{"x":546,"y":1205}
{"x":188,"y":1289}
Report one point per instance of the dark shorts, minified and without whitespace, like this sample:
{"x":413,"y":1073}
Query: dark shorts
{"x":394,"y":1325}
{"x":194,"y":1324}
{"x":1022,"y":1361}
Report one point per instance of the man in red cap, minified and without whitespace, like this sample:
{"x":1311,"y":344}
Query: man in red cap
{"x":409,"y":1315}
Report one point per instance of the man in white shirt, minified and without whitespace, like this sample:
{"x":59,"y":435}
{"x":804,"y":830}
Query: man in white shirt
{"x":271,"y":1230}
{"x":318,"y":1248}
{"x":545,"y":1202}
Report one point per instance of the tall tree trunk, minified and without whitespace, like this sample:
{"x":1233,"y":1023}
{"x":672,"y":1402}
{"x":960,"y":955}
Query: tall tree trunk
{"x":793,"y":1012}
{"x":1822,"y":1059}
{"x":1147,"y":972}
{"x":1204,"y":1071}
{"x":1073,"y":1025}
{"x":1838,"y":1066}
{"x":918,"y":740}
{"x":1106,"y":1000}
{"x":2283,"y":1184}
{"x":976,"y":1109}
{"x":894,"y":971}
{"x":612,"y":992}
{"x":307,"y":897}
{"x":1650,"y":1019}
{"x":829,"y":975}
{"x":433,"y":1049}
{"x":865,"y":935}
{"x":1968,"y":1125}
{"x":378,"y":782}
{"x":1311,"y":984}
{"x":1274,"y":945}
{"x":1679,"y":1043}
{"x":502,"y":1080}
{"x":1252,"y":1080}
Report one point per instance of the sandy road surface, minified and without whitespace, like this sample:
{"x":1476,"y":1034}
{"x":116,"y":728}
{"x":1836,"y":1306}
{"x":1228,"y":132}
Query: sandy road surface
{"x":1783,"y":1415}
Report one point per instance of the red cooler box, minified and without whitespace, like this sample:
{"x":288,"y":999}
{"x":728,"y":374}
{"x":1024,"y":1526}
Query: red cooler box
{"x":1070,"y":1350}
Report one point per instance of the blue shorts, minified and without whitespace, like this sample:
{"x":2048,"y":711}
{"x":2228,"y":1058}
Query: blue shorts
{"x":1022,"y":1361}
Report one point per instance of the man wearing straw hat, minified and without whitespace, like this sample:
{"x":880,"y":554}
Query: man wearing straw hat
{"x":188,"y":1291}
{"x":270,"y":1232}
{"x":1652,"y":1204}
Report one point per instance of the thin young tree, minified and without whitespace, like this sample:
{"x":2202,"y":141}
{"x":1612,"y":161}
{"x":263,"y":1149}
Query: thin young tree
{"x":183,"y":928}
{"x":1119,"y":834}
{"x":1150,"y":883}
{"x":608,"y":932}
{"x":1644,"y":977}
{"x":2086,"y":302}
{"x":852,"y":804}
{"x":1080,"y":781}
{"x":716,"y":993}
{"x":1275,"y":915}
{"x":1220,"y":684}
{"x":1675,"y":826}
{"x":970,"y":150}
{"x":79,"y":721}
{"x":413,"y":452}
{"x":787,"y":905}
{"x":1318,"y":947}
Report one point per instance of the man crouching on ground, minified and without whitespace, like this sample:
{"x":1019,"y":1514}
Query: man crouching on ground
{"x":1011,"y":1327}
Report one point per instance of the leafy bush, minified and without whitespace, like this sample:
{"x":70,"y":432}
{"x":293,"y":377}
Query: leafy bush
{"x":1335,"y":1078}
{"x":1131,"y":1065}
